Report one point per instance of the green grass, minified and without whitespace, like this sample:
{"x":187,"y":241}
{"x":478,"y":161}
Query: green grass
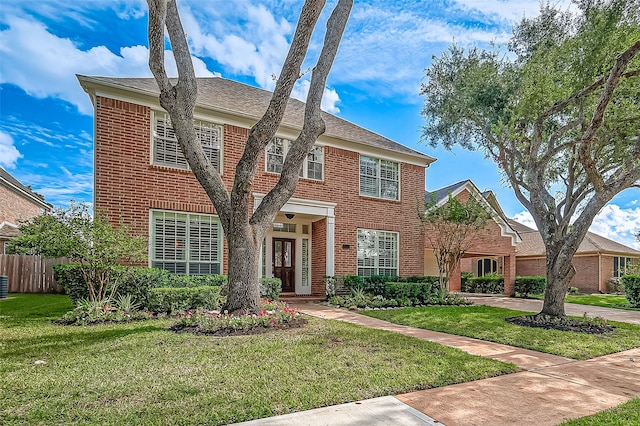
{"x":603,"y":300}
{"x":140,"y":373}
{"x":487,"y":323}
{"x":626,"y":414}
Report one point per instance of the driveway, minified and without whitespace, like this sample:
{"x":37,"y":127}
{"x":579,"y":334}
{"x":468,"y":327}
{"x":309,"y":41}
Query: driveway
{"x":534,"y":305}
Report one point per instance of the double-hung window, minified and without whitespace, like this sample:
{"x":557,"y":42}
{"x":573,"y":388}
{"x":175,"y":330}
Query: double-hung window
{"x":186,"y":243}
{"x":166,"y":149}
{"x":377,"y":253}
{"x":277,"y":151}
{"x":379,"y":178}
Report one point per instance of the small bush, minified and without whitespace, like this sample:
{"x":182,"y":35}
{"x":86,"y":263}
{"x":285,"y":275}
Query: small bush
{"x":631,"y":285}
{"x":493,"y":284}
{"x":352,"y":282}
{"x":434,"y":281}
{"x":374,"y":284}
{"x":573,"y":290}
{"x":270,"y":288}
{"x":418,"y":293}
{"x":530,"y":285}
{"x":464,"y":276}
{"x":129,"y":280}
{"x":104,"y":312}
{"x":179,"y":299}
{"x":178,"y":281}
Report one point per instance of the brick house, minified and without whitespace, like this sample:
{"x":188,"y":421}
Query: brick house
{"x":597,"y":260}
{"x":353,"y":212}
{"x":494,"y":247}
{"x":19,"y":204}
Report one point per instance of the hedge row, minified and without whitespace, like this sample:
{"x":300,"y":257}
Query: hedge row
{"x":631,"y":285}
{"x":375,"y":284}
{"x":418,"y":293}
{"x":180,"y":299}
{"x":493,"y":284}
{"x":530,"y":285}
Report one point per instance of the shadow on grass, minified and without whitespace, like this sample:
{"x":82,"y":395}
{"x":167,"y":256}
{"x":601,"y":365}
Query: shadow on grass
{"x":80,"y":337}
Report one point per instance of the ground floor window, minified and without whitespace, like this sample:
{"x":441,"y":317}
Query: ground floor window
{"x":620,"y":265}
{"x":377,"y":252}
{"x":186,"y":243}
{"x":486,"y":266}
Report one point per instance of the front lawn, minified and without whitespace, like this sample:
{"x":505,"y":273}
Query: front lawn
{"x":604,"y":300}
{"x":488,"y":323}
{"x":140,"y":373}
{"x":624,"y":414}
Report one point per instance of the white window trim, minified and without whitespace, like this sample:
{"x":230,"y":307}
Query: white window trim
{"x":150,"y":244}
{"x":380,"y":187}
{"x":397,"y":251}
{"x":305,"y":165}
{"x":152,"y":124}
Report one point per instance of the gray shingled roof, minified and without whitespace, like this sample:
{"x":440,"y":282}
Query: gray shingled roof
{"x":240,"y":99}
{"x":532,"y":244}
{"x":6,"y":176}
{"x":442,"y":193}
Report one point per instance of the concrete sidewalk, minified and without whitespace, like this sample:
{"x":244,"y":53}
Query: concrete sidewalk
{"x":552,"y":389}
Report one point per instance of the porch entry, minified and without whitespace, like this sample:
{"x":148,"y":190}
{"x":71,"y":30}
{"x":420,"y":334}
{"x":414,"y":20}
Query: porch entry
{"x":284,"y":262}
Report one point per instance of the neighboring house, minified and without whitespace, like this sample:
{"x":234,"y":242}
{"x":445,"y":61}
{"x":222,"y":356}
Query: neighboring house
{"x":597,"y":260}
{"x":353,"y":212}
{"x":19,"y":204}
{"x":493,"y":249}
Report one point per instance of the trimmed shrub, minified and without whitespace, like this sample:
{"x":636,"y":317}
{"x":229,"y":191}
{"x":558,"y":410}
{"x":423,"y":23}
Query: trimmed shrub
{"x":175,"y":281}
{"x":433,"y":280}
{"x":490,"y":283}
{"x":180,"y":299}
{"x":408,"y":294}
{"x":353,"y":282}
{"x":530,"y":285}
{"x":631,"y":285}
{"x":132,"y":280}
{"x":270,"y":288}
{"x":374,"y":284}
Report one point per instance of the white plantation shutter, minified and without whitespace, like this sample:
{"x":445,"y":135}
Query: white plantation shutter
{"x":379,"y":178}
{"x":377,"y":253}
{"x":185,"y":243}
{"x":277,"y":150}
{"x":166,"y":149}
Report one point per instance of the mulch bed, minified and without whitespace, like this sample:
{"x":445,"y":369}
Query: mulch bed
{"x":226,"y":332}
{"x":562,"y":324}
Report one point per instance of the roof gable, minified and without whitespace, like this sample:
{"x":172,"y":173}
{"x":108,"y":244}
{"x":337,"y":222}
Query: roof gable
{"x":440,"y":196}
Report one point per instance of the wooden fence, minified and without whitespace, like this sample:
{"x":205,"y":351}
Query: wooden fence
{"x":30,"y":274}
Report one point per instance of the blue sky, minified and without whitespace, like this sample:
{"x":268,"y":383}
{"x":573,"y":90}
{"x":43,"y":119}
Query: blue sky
{"x":46,"y":125}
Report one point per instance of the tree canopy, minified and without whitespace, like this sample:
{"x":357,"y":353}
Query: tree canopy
{"x":559,"y":112}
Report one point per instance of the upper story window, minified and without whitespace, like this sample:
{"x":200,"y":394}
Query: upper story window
{"x":379,"y":178}
{"x":166,"y":150}
{"x":277,"y":151}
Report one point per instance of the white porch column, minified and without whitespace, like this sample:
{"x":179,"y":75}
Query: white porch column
{"x":331,"y":243}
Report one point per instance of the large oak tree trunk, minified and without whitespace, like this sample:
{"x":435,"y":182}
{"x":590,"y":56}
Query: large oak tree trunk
{"x":244,"y":253}
{"x":560,"y":271}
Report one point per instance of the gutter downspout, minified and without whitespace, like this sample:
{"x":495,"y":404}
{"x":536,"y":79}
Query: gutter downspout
{"x":600,"y":273}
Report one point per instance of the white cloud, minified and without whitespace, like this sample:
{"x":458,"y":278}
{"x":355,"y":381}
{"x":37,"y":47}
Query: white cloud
{"x":28,"y":45}
{"x":618,"y":224}
{"x":9,"y":154}
{"x":613,"y":222}
{"x":526,"y":219}
{"x":330,"y":98}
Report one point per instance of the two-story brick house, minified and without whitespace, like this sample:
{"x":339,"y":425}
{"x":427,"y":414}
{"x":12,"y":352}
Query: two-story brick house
{"x":353,"y":212}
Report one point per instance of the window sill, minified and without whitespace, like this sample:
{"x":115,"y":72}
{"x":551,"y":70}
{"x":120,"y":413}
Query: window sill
{"x":386,"y":200}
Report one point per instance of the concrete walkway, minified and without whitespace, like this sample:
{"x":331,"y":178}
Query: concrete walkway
{"x":550,"y":390}
{"x":534,"y":305}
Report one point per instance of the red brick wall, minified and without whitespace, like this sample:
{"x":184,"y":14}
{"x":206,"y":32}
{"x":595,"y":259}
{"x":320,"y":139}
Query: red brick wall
{"x":14,"y":208}
{"x":127,"y":187}
{"x":586,"y":278}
